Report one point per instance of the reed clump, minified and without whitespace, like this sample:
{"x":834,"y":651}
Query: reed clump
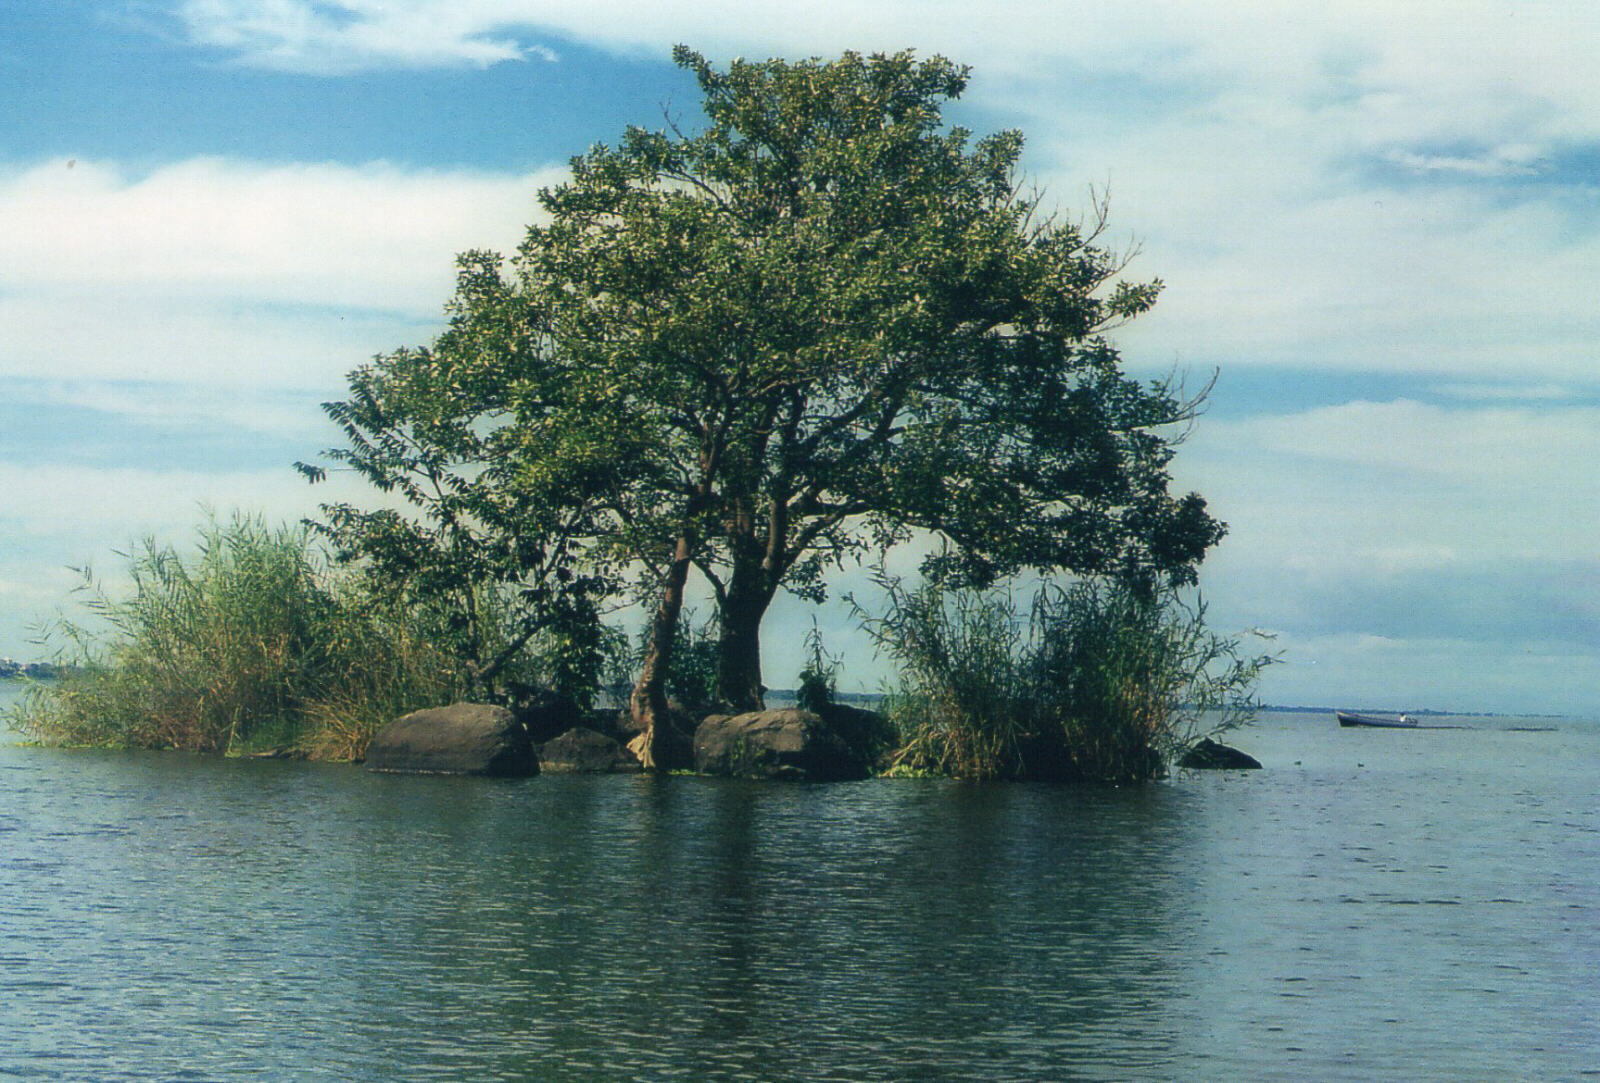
{"x":251,"y":644}
{"x":1097,"y":682}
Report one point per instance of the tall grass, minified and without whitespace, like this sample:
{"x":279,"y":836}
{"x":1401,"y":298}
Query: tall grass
{"x":958,"y":703}
{"x":250,"y":644}
{"x":1096,"y":683}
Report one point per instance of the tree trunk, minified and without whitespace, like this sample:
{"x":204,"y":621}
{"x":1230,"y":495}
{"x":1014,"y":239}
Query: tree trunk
{"x":648,"y":703}
{"x":749,"y":595}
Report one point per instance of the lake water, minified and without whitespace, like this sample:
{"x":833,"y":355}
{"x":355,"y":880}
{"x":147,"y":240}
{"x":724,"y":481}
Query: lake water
{"x":1374,"y":905}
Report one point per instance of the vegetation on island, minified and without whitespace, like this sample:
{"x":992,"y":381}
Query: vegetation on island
{"x":1096,"y":681}
{"x":819,"y":324}
{"x":251,"y":644}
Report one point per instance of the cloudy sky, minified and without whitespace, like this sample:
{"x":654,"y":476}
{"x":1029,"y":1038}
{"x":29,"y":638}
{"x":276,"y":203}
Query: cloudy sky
{"x":1379,"y":221}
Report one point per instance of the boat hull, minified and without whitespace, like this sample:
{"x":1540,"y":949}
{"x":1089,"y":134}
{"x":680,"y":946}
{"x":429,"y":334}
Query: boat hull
{"x":1351,"y":718}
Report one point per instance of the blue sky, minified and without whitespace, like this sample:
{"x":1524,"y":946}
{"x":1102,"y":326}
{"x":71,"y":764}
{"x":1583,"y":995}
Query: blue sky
{"x":1379,"y":222}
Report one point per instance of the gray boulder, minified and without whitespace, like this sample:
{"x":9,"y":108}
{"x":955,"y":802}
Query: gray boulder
{"x":787,"y":743}
{"x":462,"y":739}
{"x":584,"y":751}
{"x":1209,"y":755}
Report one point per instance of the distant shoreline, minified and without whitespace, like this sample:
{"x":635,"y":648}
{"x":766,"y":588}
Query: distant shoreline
{"x":1272,"y":708}
{"x":29,"y":671}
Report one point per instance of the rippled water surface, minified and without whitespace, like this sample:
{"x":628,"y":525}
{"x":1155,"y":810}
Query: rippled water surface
{"x":1375,"y":904}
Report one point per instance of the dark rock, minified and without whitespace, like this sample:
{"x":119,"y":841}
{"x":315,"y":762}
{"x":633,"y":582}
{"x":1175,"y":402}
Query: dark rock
{"x":584,"y":751}
{"x":462,"y":739}
{"x":869,"y":735}
{"x":1212,"y":756}
{"x":545,"y":714}
{"x":615,"y":723}
{"x":776,"y":744}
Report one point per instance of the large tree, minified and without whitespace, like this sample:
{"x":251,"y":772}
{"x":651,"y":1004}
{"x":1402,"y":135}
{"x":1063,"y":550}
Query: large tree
{"x":808,"y":326}
{"x":850,"y":320}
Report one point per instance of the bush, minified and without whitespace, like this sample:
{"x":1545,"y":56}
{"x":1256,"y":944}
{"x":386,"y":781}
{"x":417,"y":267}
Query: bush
{"x":818,"y":682}
{"x":956,"y":706}
{"x":252,"y":644}
{"x":1099,"y":683}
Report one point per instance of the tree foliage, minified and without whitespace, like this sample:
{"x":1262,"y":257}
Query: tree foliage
{"x":813,"y":324}
{"x":488,"y":540}
{"x":848,"y":320}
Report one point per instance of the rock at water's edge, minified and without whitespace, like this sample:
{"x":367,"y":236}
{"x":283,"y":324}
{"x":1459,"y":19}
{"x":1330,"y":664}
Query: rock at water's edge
{"x":1212,"y":756}
{"x":545,"y":714}
{"x":869,"y":735}
{"x":787,"y":743}
{"x":461,"y":739}
{"x":582,"y":750}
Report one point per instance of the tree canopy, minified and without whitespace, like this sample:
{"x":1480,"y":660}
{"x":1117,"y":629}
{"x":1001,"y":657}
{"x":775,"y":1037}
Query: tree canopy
{"x":819,"y":321}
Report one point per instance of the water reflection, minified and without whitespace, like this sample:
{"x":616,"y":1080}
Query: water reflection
{"x":166,"y":917}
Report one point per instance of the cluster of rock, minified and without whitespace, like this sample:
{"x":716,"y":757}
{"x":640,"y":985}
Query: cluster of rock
{"x":838,"y":743}
{"x":479,"y":739}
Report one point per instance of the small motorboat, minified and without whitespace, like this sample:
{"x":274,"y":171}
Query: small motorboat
{"x":1382,"y":721}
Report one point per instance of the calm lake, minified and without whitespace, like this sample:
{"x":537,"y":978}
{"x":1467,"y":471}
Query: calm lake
{"x":1375,"y":904}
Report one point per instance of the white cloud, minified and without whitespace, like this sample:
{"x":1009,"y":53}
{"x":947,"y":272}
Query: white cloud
{"x":1444,"y":43}
{"x":1427,"y":69}
{"x":1344,"y":490}
{"x":172,"y":338}
{"x":195,"y":407}
{"x":338,"y":36}
{"x":1506,"y":392}
{"x":372,"y":236}
{"x":227,"y":272}
{"x":1442,"y":551}
{"x":1281,"y":246}
{"x":1498,"y":162}
{"x":1484,"y":448}
{"x":32,"y":593}
{"x":59,"y":517}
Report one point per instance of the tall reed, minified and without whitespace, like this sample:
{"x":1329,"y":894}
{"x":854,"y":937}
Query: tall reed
{"x":961,"y":681}
{"x":1097,"y":683}
{"x":249,"y":644}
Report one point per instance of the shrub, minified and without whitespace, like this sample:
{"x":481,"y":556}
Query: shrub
{"x":819,"y":677}
{"x":1127,"y":680}
{"x":250,"y":644}
{"x":956,"y":706}
{"x":1099,"y":683}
